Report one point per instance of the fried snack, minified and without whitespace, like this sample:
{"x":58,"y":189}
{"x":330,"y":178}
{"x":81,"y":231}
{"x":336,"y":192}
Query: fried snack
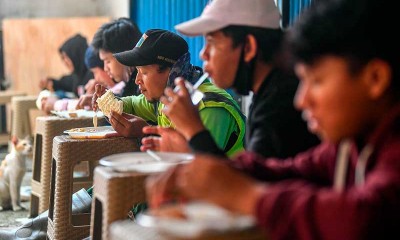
{"x":108,"y":103}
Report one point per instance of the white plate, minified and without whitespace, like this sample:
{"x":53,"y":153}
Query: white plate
{"x":201,"y":219}
{"x":91,"y":132}
{"x":143,"y":162}
{"x":81,"y":113}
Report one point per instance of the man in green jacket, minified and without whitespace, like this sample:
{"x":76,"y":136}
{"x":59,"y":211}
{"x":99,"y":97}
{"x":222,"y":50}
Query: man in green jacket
{"x":160,"y":56}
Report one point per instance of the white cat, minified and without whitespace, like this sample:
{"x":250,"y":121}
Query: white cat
{"x":12,"y":171}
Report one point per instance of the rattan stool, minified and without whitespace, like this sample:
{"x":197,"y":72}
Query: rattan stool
{"x":21,"y":126}
{"x":46,"y":129}
{"x":114,"y":195}
{"x":5,"y":98}
{"x":68,"y":152}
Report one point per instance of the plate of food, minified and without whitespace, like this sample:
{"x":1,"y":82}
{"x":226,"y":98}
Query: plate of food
{"x":144,"y":162}
{"x":92,"y":132}
{"x":81,"y":113}
{"x":194,"y":219}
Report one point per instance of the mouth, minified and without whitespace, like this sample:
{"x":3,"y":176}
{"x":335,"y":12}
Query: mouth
{"x":142,"y":91}
{"x":312,"y":122}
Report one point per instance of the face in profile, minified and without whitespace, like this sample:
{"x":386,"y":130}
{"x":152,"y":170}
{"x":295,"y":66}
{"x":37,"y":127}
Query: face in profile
{"x":335,"y":102}
{"x":101,"y":77}
{"x":67,"y":62}
{"x":220,"y":59}
{"x":113,"y":68}
{"x":152,"y":81}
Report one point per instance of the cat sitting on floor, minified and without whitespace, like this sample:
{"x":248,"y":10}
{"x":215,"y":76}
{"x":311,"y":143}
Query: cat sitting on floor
{"x":12,"y":171}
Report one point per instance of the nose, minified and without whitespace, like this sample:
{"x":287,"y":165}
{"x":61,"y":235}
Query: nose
{"x":300,"y":99}
{"x":138,"y":78}
{"x":106,"y":68}
{"x":204,"y":53}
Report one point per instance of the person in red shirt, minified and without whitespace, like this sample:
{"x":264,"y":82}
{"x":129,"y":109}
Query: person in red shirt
{"x":348,"y":187}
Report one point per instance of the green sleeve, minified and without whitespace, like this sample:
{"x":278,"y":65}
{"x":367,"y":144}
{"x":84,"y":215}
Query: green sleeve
{"x":220,"y":123}
{"x":139,"y":106}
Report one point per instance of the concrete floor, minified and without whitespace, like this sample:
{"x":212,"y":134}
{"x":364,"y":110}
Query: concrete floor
{"x":10,"y":219}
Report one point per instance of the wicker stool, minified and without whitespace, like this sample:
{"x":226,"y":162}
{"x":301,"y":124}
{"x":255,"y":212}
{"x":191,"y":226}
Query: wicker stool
{"x":68,"y":152}
{"x":128,"y":230}
{"x":46,"y":129}
{"x":114,"y":195}
{"x":5,"y":98}
{"x":21,"y":126}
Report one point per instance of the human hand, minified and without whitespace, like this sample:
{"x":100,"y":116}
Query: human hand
{"x":85,"y":101}
{"x":210,"y":179}
{"x":99,"y":90}
{"x":90,"y":86}
{"x":127,"y":125}
{"x":46,"y":83}
{"x":48,"y":104}
{"x":181,"y":111}
{"x":160,"y":188}
{"x":169,"y":140}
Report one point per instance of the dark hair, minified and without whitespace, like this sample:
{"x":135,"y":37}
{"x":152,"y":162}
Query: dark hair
{"x":117,"y":36}
{"x":357,"y":30}
{"x":268,"y":40}
{"x":75,"y":48}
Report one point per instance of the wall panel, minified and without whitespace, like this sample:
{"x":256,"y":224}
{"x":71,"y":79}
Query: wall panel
{"x":165,"y":14}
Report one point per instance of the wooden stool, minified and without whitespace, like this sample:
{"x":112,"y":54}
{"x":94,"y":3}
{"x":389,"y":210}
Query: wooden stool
{"x":67,"y":152}
{"x":46,"y":129}
{"x":115,"y":193}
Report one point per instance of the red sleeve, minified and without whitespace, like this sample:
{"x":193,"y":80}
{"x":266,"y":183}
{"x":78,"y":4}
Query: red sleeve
{"x":305,"y":209}
{"x":317,"y":163}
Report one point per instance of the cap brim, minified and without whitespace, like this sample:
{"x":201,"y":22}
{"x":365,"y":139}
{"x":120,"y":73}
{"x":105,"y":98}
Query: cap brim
{"x":132,"y":58}
{"x":199,"y":26}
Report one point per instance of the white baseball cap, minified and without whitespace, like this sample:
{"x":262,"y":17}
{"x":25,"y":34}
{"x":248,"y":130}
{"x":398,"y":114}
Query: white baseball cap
{"x":222,"y":13}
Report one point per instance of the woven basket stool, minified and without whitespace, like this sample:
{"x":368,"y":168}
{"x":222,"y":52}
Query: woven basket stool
{"x":46,"y":129}
{"x":20,"y":125}
{"x":128,"y":230}
{"x":68,"y":152}
{"x":114,"y":195}
{"x":5,"y":98}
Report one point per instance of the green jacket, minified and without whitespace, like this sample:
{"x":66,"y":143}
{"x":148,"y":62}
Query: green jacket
{"x":218,"y":111}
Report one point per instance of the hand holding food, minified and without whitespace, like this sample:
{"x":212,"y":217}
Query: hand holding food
{"x":99,"y":90}
{"x":107,"y":103}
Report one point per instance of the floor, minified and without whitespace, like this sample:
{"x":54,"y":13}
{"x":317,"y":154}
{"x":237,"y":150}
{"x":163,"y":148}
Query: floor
{"x":10,"y":219}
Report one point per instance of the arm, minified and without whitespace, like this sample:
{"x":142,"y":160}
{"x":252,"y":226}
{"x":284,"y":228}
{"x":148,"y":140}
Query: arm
{"x":193,"y":124}
{"x":139,"y":106}
{"x":65,"y":83}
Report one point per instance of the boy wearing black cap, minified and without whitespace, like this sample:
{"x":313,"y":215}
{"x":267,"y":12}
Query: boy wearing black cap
{"x":160,"y":56}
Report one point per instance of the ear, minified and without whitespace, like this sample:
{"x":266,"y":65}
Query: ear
{"x":14,"y":140}
{"x":378,"y":76}
{"x":250,"y":48}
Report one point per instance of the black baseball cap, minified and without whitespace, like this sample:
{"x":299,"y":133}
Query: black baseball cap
{"x":156,"y":46}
